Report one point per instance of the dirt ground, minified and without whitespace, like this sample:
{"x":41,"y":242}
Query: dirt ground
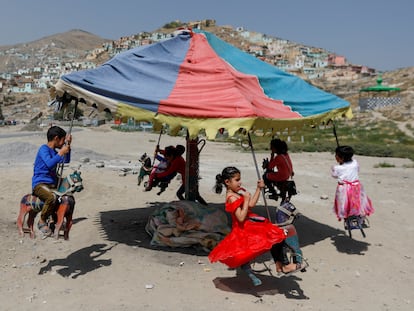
{"x":109,"y":264}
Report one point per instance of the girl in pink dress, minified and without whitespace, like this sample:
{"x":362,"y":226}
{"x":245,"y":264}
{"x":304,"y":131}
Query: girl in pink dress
{"x":251,"y":235}
{"x":350,"y":197}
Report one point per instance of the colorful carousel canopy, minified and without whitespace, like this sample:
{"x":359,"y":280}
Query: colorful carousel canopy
{"x":196,"y":81}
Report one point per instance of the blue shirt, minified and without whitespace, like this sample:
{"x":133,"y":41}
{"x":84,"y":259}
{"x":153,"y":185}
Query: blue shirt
{"x":45,"y":165}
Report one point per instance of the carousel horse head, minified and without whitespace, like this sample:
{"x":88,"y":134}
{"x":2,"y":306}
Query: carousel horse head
{"x":145,"y":160}
{"x":286,"y":214}
{"x":71,"y":184}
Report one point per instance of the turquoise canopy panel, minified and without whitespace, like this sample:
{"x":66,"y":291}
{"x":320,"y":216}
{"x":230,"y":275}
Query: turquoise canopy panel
{"x":302,"y":97}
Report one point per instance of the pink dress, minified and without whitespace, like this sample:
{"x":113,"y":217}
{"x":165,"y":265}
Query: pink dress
{"x":247,"y":240}
{"x":350,"y":197}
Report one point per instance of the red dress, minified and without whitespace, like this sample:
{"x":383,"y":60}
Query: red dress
{"x":247,"y":240}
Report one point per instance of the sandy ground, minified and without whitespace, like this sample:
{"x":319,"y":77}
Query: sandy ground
{"x":108,"y":263}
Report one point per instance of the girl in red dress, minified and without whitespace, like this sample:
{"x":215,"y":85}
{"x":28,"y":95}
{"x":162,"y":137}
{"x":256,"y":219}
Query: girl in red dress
{"x":251,"y":235}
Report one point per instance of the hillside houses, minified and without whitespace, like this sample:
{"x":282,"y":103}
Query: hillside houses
{"x":42,"y":70}
{"x":41,"y":77}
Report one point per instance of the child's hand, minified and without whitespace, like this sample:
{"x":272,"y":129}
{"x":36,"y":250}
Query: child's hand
{"x":68,"y":140}
{"x":245,"y":194}
{"x":64,"y":150}
{"x":260,"y":184}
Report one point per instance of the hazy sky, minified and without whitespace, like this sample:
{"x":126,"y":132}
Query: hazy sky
{"x":377,"y":33}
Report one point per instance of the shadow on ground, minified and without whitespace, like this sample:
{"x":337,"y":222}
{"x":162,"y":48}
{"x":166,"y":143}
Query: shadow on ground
{"x":80,"y":262}
{"x":128,"y":227}
{"x":241,"y":284}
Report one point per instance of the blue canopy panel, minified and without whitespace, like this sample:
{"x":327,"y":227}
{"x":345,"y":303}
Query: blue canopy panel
{"x":141,"y":77}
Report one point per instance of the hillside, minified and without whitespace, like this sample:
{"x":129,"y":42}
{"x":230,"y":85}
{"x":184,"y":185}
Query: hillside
{"x":73,"y":44}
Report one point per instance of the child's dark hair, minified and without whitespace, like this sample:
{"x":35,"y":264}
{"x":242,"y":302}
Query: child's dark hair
{"x":54,"y":131}
{"x":179,"y":150}
{"x":169,"y":151}
{"x":279,"y":145}
{"x":227,"y":173}
{"x":345,"y":153}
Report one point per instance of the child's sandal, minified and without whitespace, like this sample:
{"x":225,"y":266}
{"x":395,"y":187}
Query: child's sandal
{"x":299,"y":267}
{"x":44,"y":228}
{"x":255,"y":280}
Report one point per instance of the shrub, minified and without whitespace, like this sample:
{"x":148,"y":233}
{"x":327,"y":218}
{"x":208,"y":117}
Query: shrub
{"x":384,"y":164}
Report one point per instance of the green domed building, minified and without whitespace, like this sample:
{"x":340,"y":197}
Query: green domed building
{"x":378,"y":96}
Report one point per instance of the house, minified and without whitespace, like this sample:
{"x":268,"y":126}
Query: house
{"x":256,"y":50}
{"x":336,"y":60}
{"x":363,"y":70}
{"x":23,"y":85}
{"x":299,"y":61}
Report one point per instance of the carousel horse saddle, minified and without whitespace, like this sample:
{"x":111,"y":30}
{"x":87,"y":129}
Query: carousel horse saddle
{"x":162,"y":183}
{"x":356,"y":222}
{"x":33,"y":201}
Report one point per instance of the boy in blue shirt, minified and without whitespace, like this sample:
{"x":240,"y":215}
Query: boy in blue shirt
{"x":45,"y":179}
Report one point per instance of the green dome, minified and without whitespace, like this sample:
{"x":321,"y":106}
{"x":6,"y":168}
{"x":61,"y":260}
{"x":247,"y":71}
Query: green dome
{"x":379,"y":87}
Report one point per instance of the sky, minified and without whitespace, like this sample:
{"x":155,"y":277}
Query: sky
{"x":378,"y":34}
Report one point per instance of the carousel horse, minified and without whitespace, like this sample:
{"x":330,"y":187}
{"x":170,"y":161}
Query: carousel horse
{"x":145,"y":169}
{"x":65,"y":204}
{"x":286,"y":214}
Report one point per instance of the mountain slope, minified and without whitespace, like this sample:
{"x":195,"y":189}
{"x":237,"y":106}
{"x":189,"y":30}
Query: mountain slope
{"x":73,"y":44}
